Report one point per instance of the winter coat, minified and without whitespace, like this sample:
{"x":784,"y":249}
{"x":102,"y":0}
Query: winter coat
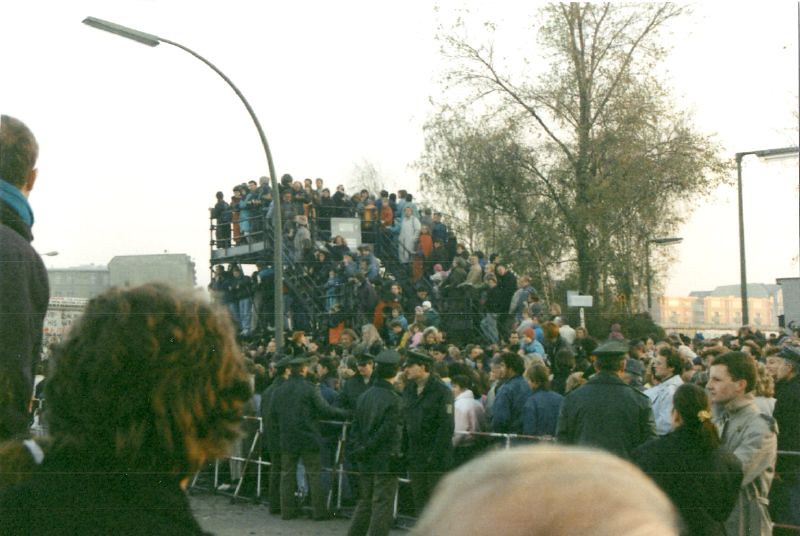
{"x":429,"y":425}
{"x":351,"y":390}
{"x":270,"y":421}
{"x":24,"y":296}
{"x":787,"y":415}
{"x":508,"y":406}
{"x":475,"y":275}
{"x":752,"y":437}
{"x":439,"y":231}
{"x":470,"y":416}
{"x":507,"y":283}
{"x":661,"y":400}
{"x":297,"y":407}
{"x":378,"y":428}
{"x":518,"y":301}
{"x":495,"y":300}
{"x":552,"y":346}
{"x":540,"y":413}
{"x":82,"y":498}
{"x":606,"y":413}
{"x":409,"y":231}
{"x":703,"y":484}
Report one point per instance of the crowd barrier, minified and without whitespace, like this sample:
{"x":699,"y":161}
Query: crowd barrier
{"x":339,"y":471}
{"x":255,"y":426}
{"x":254,"y":456}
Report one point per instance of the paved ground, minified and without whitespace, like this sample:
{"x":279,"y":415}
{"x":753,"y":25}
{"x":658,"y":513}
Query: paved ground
{"x":216,"y":514}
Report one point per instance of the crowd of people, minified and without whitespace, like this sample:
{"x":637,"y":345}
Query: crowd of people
{"x":556,"y":381}
{"x":407,"y":256}
{"x":151,"y":384}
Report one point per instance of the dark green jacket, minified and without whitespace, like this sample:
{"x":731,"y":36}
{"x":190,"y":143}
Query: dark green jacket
{"x":378,"y":427}
{"x":429,"y":425}
{"x":606,"y":413}
{"x":297,"y":406}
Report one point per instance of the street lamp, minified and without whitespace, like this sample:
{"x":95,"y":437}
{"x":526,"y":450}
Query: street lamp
{"x":766,"y":154}
{"x":152,"y":41}
{"x":648,"y":276}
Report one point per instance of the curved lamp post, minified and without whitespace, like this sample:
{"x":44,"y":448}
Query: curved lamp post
{"x":648,"y":276}
{"x":152,"y":41}
{"x":766,"y":154}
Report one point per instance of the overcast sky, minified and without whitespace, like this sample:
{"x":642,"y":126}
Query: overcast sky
{"x":135,"y":141}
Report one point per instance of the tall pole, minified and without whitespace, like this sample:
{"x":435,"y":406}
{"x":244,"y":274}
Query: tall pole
{"x":647,"y":276}
{"x":742,"y":262}
{"x":277,"y":257}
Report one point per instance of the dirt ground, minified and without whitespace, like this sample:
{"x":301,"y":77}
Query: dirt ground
{"x":218,"y":515}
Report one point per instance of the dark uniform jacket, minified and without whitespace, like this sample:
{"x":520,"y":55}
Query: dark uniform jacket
{"x":24,"y":294}
{"x":429,"y":425}
{"x":352,"y":389}
{"x":787,"y":415}
{"x":606,"y":413}
{"x":702,"y":484}
{"x":378,"y":428}
{"x":271,"y":428}
{"x":63,"y":498}
{"x":297,"y":405}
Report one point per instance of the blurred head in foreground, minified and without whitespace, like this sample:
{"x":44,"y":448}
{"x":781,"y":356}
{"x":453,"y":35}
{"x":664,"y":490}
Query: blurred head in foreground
{"x":548,"y":490}
{"x":149,"y":380}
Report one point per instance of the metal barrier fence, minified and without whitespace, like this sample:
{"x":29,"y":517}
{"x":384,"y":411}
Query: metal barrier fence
{"x":254,"y":456}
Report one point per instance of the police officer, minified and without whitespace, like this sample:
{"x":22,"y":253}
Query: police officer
{"x":606,"y":412}
{"x":429,"y":423}
{"x":377,"y":437}
{"x":297,"y":405}
{"x":272,"y":431}
{"x":357,"y":385}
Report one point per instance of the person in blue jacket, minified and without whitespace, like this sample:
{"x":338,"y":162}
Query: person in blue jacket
{"x":512,"y":396}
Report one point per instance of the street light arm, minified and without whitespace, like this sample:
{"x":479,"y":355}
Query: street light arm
{"x":276,"y":198}
{"x":767,"y":153}
{"x":152,"y":41}
{"x":264,"y":143}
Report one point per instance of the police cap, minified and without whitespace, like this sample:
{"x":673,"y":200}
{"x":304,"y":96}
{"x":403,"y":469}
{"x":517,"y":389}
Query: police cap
{"x":298,"y":360}
{"x":388,"y":357}
{"x":418,"y":358}
{"x":282,"y":360}
{"x":366,"y":357}
{"x":611,"y":347}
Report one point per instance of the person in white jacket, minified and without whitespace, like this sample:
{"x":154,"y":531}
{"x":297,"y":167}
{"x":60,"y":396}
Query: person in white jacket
{"x":667,"y":369}
{"x":469,"y":417}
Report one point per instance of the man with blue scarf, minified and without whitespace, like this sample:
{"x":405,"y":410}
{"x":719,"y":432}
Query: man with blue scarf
{"x":24,"y":291}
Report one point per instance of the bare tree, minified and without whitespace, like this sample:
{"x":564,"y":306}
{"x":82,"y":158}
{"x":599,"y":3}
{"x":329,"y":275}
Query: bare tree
{"x":602,"y":148}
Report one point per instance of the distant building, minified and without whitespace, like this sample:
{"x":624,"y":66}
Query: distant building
{"x":790,"y":287}
{"x":72,"y":288}
{"x":84,"y":282}
{"x":721,"y":308}
{"x":176,"y":269}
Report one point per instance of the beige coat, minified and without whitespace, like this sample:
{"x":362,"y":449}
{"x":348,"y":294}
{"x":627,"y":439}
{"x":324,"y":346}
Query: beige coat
{"x":752,"y":437}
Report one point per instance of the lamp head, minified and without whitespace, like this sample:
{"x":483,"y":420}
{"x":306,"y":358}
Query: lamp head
{"x":140,"y":37}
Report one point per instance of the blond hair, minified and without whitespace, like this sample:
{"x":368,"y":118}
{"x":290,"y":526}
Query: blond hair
{"x":548,"y":490}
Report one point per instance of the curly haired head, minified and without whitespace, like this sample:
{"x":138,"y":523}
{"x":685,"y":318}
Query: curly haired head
{"x":149,"y":379}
